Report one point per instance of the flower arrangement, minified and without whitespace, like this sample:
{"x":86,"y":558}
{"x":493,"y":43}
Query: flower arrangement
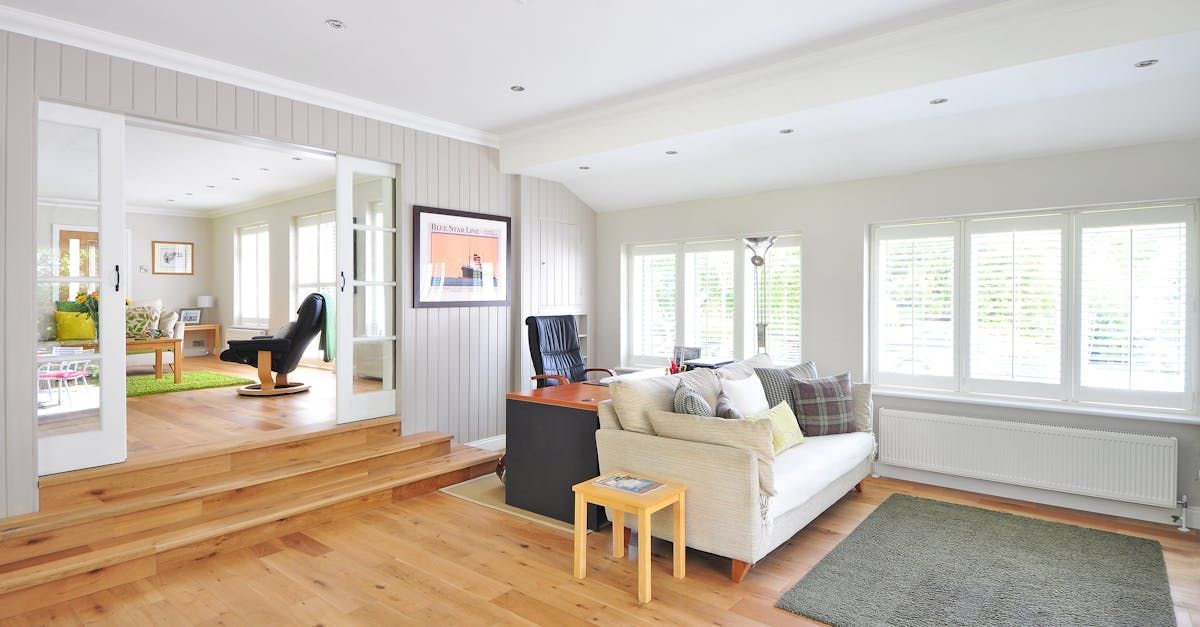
{"x":91,"y":305}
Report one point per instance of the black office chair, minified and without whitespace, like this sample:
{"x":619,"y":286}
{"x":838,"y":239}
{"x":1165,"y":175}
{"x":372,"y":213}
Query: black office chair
{"x":554,"y":347}
{"x":281,"y":352}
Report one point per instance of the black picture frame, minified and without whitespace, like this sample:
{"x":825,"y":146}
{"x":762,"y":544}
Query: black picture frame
{"x":422,"y":300}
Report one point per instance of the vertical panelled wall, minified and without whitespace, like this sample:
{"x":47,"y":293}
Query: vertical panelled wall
{"x":558,"y":246}
{"x":455,"y":362}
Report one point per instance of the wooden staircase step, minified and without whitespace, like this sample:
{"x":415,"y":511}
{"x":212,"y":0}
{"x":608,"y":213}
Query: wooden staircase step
{"x":233,"y":480}
{"x":124,"y":559}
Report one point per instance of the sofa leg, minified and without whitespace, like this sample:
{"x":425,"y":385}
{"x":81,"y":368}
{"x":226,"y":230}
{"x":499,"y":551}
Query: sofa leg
{"x":858,"y":487}
{"x":738,"y":570}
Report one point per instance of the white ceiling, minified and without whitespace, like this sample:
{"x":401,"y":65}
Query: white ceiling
{"x":455,"y":60}
{"x":174,"y":172}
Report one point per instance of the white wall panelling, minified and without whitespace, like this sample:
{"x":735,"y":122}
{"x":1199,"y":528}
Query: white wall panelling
{"x":454,"y":362}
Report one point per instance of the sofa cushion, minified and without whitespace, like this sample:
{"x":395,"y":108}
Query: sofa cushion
{"x":785,"y":432}
{"x":826,"y":406}
{"x":139,"y":320}
{"x":726,"y":409}
{"x":688,"y":401}
{"x":746,"y":395}
{"x":635,"y":398}
{"x":803,"y":471}
{"x":745,"y":368}
{"x":751,"y":435}
{"x":72,"y":325}
{"x":166,"y":322}
{"x":777,"y":382}
{"x":864,"y":410}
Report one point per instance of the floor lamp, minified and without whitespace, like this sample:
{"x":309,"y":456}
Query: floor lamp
{"x":758,"y":247}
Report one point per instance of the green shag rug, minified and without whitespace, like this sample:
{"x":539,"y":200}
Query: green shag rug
{"x":146,"y":384}
{"x":916,"y":561}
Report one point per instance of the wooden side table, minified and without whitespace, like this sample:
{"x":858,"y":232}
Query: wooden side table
{"x":641,"y":505}
{"x":212,"y":330}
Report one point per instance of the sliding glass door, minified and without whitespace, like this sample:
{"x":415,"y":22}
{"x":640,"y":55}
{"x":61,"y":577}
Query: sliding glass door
{"x":367,"y":296}
{"x":80,"y":289}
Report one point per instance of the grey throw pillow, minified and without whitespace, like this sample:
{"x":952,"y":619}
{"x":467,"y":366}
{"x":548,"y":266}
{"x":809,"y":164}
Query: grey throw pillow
{"x":726,"y":409}
{"x":689,"y":401}
{"x":777,"y":382}
{"x":826,"y":405}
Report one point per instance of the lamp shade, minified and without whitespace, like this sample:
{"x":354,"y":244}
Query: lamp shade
{"x":204,"y":301}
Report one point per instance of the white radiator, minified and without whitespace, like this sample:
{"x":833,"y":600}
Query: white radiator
{"x":1121,"y":466}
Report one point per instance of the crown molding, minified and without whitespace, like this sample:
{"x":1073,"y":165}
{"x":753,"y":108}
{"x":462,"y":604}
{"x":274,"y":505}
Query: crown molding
{"x":70,"y":33}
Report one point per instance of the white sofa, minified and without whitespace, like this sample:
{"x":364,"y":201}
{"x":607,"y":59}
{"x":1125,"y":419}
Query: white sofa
{"x":727,"y":513}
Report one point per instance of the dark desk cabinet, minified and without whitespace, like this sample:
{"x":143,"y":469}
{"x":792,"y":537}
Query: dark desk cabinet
{"x":549,"y":449}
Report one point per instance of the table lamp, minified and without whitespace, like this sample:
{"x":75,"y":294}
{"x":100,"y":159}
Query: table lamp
{"x":205,"y":302}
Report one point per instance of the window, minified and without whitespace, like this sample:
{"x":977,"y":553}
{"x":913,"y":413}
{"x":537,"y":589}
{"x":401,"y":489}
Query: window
{"x":701,"y":294}
{"x":252,"y":270}
{"x":1085,"y":306}
{"x":316,"y":249}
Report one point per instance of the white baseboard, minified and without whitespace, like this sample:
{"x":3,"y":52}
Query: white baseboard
{"x":494,"y":443}
{"x":1046,"y":497}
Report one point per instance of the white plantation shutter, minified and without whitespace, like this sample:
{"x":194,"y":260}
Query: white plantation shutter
{"x":914,"y":326}
{"x":653,"y":275}
{"x":782,"y":299}
{"x":708,"y":293}
{"x":1015,"y":289}
{"x":1135,"y":294}
{"x":252,"y":257}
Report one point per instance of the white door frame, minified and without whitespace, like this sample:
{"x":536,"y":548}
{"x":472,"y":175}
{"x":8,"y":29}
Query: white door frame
{"x":107,"y":445}
{"x":353,"y":407}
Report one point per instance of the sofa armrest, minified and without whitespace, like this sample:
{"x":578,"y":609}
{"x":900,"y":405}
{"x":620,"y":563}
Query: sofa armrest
{"x":179,"y":329}
{"x":723,"y":515}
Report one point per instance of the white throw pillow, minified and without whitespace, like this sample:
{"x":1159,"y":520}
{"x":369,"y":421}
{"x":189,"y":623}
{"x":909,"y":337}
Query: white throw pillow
{"x":864,"y":411}
{"x":747,"y":395}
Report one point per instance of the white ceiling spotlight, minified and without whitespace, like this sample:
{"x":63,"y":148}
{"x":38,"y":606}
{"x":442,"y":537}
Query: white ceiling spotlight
{"x":335,"y":24}
{"x":1146,"y":63}
{"x":585,"y":167}
{"x":938,"y":101}
{"x":672,"y":152}
{"x":517,"y":88}
{"x":786,"y":131}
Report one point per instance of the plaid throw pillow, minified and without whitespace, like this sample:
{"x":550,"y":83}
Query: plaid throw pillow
{"x":689,"y":401}
{"x":826,"y":406}
{"x":777,"y":382}
{"x":726,"y":409}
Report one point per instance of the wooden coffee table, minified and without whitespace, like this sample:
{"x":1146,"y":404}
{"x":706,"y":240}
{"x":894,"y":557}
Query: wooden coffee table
{"x":641,"y":505}
{"x":158,"y":346}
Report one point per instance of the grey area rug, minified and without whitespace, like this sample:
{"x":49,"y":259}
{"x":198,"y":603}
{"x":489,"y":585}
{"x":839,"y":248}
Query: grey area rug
{"x":916,"y":561}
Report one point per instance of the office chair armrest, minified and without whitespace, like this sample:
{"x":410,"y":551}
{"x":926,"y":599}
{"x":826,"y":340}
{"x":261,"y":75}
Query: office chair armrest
{"x":610,"y":371}
{"x":551,"y":377}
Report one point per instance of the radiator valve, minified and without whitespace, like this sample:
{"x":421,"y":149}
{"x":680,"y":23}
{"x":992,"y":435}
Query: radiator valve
{"x":1182,"y":517}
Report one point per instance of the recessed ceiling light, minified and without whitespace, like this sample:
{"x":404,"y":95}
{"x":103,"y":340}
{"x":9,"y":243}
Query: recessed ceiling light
{"x":786,"y":131}
{"x":234,"y":178}
{"x":265,"y":169}
{"x":585,"y":167}
{"x":211,"y":186}
{"x":517,"y":88}
{"x":1146,"y":63}
{"x":170,"y":200}
{"x":297,"y":159}
{"x":672,"y":152}
{"x":187,"y":193}
{"x":335,"y":24}
{"x":939,"y":101}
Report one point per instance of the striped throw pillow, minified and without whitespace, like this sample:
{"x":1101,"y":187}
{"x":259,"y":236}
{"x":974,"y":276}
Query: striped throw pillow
{"x":689,"y":401}
{"x":826,"y":406}
{"x":777,"y":382}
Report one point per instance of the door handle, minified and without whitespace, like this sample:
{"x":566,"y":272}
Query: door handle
{"x":117,"y":288}
{"x":342,"y":287}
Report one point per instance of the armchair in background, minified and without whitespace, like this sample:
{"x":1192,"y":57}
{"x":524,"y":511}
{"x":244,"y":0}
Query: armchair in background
{"x":280,"y":353}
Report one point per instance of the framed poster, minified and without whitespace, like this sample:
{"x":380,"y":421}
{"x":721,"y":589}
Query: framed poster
{"x":460,"y":258}
{"x":172,"y":257}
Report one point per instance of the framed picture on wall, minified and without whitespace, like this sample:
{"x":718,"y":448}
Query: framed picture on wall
{"x":172,"y":257}
{"x":460,"y":258}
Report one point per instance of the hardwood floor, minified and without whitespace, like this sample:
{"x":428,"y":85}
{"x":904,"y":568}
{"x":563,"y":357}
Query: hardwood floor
{"x":437,"y":559}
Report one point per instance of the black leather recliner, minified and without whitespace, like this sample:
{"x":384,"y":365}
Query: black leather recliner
{"x":281,"y":352}
{"x":554,"y":347}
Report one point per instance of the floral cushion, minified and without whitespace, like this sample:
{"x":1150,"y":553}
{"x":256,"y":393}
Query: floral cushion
{"x":140,"y":319}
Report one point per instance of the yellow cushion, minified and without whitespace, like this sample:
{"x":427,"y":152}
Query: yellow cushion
{"x":785,"y":431}
{"x":74,"y":325}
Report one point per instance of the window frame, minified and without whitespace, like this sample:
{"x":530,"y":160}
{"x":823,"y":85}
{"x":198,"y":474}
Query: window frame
{"x":310,"y":287}
{"x":239,"y":320}
{"x":1069,"y":391}
{"x":634,"y":331}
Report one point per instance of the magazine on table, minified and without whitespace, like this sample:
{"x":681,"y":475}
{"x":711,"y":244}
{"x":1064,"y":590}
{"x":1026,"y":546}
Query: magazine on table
{"x":630,"y":483}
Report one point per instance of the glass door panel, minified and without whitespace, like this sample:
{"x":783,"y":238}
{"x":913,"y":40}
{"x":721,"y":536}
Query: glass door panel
{"x":367,"y":289}
{"x":79,"y":293}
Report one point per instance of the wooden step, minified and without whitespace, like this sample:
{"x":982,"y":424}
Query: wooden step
{"x":189,"y":500}
{"x":120,"y":560}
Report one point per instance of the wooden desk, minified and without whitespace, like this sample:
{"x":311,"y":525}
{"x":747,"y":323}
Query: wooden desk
{"x":212,"y":330}
{"x":551,"y":446}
